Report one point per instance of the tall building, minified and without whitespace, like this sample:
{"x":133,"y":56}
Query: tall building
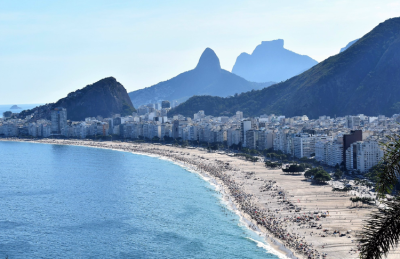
{"x":353,"y":122}
{"x":165,"y":104}
{"x":304,"y":145}
{"x":280,"y":141}
{"x":335,"y":152}
{"x":321,"y":151}
{"x":245,"y":126}
{"x":175,"y":129}
{"x":233,"y":136}
{"x":362,"y":155}
{"x":164,"y":112}
{"x":348,"y":139}
{"x":252,"y":139}
{"x":58,"y":120}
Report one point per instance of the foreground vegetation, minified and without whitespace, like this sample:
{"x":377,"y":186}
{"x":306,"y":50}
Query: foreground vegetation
{"x":382,"y":231}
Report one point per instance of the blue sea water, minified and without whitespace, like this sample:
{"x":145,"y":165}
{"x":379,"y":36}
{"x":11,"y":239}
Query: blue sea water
{"x":79,"y":202}
{"x":4,"y":108}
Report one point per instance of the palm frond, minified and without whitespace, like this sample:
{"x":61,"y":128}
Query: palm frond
{"x":390,"y":174}
{"x":382,"y":231}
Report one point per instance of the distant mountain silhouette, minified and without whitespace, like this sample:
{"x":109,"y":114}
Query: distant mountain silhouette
{"x":105,"y":98}
{"x":206,"y":79}
{"x":363,"y":79}
{"x":348,"y":45}
{"x":270,"y":61}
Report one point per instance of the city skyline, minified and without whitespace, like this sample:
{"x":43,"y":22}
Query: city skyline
{"x":51,"y":49}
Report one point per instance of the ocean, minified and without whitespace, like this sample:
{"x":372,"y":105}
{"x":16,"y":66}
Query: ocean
{"x":4,"y":108}
{"x":79,"y":202}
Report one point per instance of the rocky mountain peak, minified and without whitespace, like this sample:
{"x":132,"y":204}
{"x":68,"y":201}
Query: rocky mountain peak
{"x":277,"y":44}
{"x":270,"y":61}
{"x":208,"y":61}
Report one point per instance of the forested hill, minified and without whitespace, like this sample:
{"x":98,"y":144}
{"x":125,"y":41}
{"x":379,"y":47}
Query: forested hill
{"x":105,"y":98}
{"x":363,"y":79}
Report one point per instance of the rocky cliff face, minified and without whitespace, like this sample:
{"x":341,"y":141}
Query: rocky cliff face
{"x":105,"y":98}
{"x":270,"y":61}
{"x":206,"y":79}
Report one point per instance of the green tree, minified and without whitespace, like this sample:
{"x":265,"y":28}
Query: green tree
{"x":155,"y":139}
{"x":382,"y":231}
{"x":318,"y":174}
{"x":311,"y":172}
{"x":273,"y":164}
{"x":304,"y":159}
{"x":322,"y":176}
{"x":338,"y":174}
{"x":294,"y":169}
{"x":373,"y":173}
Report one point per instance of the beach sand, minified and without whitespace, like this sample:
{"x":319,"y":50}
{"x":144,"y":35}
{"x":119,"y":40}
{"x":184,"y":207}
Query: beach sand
{"x":258,"y":193}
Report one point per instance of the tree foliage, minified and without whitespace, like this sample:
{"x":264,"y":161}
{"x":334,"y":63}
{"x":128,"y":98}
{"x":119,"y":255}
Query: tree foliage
{"x":338,"y":174}
{"x":318,"y":174}
{"x":295,"y":168}
{"x":382,"y":231}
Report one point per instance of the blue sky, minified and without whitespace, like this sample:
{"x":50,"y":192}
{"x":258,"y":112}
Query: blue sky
{"x":50,"y":48}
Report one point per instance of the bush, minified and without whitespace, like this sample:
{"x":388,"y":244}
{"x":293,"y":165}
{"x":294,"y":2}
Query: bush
{"x":294,"y":169}
{"x":273,"y":164}
{"x":338,"y":174}
{"x":318,"y":174}
{"x":322,"y":176}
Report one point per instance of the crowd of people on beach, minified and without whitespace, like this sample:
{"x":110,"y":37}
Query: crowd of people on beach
{"x":271,"y":220}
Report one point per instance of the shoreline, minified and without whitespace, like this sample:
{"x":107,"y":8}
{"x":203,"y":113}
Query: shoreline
{"x":260,"y":197}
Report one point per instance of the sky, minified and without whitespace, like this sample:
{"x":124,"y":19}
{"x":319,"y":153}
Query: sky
{"x":50,"y":48}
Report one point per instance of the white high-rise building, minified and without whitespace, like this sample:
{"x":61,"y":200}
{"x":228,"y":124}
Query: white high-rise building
{"x":233,"y":136}
{"x":329,"y":152}
{"x":335,"y":153}
{"x":362,"y":155}
{"x":322,"y":151}
{"x":353,"y":122}
{"x":304,"y":145}
{"x":245,"y":126}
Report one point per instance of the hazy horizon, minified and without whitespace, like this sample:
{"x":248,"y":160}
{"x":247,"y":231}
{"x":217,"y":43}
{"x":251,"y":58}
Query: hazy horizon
{"x":51,"y":49}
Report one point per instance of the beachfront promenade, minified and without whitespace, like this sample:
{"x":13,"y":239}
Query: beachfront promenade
{"x":309,"y":220}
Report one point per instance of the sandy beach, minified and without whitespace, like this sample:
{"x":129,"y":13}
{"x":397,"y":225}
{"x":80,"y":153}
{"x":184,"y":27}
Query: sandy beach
{"x":297,"y":218}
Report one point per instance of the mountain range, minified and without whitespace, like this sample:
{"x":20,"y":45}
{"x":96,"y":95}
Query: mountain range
{"x":363,"y":79}
{"x":207,"y":78}
{"x":270,"y":61}
{"x":105,"y":98}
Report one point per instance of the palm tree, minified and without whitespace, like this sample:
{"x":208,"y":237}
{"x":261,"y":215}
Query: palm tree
{"x":382,"y":231}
